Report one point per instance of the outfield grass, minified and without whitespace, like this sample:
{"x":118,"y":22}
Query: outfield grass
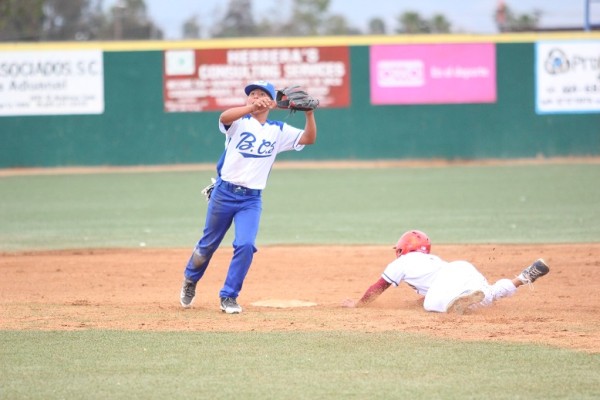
{"x":329,"y":365}
{"x":456,"y":204}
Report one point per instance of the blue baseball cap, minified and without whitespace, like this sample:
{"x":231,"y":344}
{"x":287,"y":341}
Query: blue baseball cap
{"x":262,"y":85}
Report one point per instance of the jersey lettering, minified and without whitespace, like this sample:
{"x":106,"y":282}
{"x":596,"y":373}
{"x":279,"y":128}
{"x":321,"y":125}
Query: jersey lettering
{"x":247,"y":147}
{"x":246,"y":142}
{"x":266,"y":147}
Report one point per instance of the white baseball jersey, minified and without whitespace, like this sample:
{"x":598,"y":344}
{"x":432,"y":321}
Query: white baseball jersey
{"x":251,"y":148}
{"x":441,"y":281}
{"x":418,"y":270}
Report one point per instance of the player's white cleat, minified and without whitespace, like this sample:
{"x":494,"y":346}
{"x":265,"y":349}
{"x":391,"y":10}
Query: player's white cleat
{"x":230,"y":306}
{"x":188,"y":292}
{"x":465,"y":300}
{"x":536,"y":270}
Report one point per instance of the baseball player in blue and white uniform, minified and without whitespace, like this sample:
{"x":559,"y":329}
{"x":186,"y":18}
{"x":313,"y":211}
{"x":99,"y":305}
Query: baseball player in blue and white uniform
{"x":455,"y":286}
{"x":252,"y":143}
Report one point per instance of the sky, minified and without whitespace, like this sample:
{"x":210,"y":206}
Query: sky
{"x":469,"y":16}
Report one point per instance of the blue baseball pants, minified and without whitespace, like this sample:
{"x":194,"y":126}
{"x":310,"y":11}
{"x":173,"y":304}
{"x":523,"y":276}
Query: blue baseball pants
{"x":228,"y":204}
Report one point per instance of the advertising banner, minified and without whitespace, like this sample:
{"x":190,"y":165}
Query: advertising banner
{"x":433,"y":73}
{"x":51,"y":82}
{"x":213,"y":80}
{"x":567,"y":76}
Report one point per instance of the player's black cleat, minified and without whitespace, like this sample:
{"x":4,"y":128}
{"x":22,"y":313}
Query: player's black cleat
{"x":534,"y":271}
{"x":188,"y":292}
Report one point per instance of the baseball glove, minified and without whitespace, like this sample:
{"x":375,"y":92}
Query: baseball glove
{"x":293,"y":98}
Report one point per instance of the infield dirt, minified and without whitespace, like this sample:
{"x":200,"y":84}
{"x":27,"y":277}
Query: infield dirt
{"x":138,"y":289}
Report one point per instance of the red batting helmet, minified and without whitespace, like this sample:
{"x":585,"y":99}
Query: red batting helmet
{"x":413,"y":241}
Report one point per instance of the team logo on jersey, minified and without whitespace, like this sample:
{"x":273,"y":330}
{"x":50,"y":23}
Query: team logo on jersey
{"x":249,"y":148}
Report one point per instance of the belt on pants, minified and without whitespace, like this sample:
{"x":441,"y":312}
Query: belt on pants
{"x":240,"y":190}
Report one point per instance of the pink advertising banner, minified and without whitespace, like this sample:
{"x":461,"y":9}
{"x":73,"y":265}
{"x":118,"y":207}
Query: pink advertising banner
{"x":433,"y":73}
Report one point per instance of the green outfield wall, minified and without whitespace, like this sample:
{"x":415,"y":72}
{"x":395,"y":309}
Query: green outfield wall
{"x":134,"y":129}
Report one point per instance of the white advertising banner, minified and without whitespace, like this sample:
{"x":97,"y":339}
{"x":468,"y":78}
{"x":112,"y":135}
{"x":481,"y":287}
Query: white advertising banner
{"x":567,"y":76}
{"x":51,"y":82}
